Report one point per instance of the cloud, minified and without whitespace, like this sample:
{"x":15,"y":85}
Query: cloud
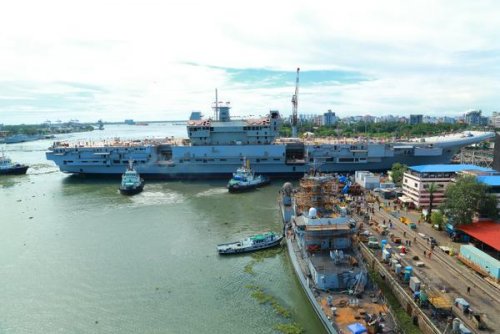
{"x":161,"y":60}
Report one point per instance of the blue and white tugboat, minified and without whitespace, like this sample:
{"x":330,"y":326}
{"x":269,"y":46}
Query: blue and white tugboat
{"x":11,"y":168}
{"x":251,"y":244}
{"x":244,"y":179}
{"x":132,"y":183}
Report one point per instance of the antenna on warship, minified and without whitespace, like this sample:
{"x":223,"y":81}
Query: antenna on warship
{"x":295,"y":101}
{"x":216,"y":109}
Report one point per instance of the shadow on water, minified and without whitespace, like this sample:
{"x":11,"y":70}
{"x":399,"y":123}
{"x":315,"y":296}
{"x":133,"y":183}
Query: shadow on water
{"x":81,"y":179}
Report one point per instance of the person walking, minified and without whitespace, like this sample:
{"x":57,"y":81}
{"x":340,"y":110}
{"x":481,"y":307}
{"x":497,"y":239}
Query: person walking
{"x":430,"y":253}
{"x":425,"y":253}
{"x":404,"y":234}
{"x":468,"y":290}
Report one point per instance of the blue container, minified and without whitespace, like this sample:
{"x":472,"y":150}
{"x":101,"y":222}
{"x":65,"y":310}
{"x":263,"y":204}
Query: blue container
{"x":383,"y":242}
{"x":408,"y":271}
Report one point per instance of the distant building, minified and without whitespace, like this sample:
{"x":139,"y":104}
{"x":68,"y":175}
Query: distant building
{"x":329,"y":118}
{"x":473,"y":117}
{"x":447,"y":120}
{"x":430,"y":120}
{"x":129,"y":121}
{"x":495,"y":119}
{"x":417,"y":179}
{"x":311,"y":119}
{"x":416,"y":119}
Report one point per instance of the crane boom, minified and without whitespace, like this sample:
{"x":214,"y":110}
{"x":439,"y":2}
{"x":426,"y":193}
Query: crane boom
{"x":295,"y":101}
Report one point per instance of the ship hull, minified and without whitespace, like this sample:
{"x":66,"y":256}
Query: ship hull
{"x":165,"y":161}
{"x":224,"y":171}
{"x":132,"y":190}
{"x":20,"y":170}
{"x":250,"y":249}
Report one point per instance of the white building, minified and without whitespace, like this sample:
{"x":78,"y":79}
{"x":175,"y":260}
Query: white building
{"x":366,"y":179}
{"x":495,"y":119}
{"x":417,"y":179}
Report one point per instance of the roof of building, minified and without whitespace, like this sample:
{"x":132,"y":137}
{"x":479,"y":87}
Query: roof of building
{"x":484,"y":231}
{"x":490,"y":180}
{"x":443,"y":168}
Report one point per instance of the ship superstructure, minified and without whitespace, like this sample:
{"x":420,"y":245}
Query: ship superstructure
{"x":217,"y":147}
{"x":320,"y":244}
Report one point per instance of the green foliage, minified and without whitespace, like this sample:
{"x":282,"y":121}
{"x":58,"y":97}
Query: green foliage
{"x":437,"y":218}
{"x":42,"y":129}
{"x":467,"y":197}
{"x":264,"y":298}
{"x":431,"y":190}
{"x":397,"y":172}
{"x":289,"y":328}
{"x":375,"y":130}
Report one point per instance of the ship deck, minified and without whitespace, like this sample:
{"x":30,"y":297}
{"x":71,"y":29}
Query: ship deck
{"x":344,"y":309}
{"x":118,"y":142}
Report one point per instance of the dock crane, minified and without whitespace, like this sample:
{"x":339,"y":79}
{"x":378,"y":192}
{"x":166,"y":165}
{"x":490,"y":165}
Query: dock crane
{"x":295,"y":101}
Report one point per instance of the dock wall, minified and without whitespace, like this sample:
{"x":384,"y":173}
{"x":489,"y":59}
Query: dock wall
{"x":406,"y":301}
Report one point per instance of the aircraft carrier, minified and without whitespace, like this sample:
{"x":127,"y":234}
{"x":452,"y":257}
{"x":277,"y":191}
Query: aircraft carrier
{"x":217,"y":147}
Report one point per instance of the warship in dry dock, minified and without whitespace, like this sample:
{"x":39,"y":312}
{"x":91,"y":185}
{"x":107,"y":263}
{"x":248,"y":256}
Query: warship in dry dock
{"x":319,"y":234}
{"x":217,"y":146}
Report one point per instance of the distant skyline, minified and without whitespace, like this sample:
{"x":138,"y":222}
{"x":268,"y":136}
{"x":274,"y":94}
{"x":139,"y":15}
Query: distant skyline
{"x":160,"y":60}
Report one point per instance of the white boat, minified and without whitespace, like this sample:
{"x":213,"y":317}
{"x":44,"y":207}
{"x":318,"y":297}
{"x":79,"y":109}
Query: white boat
{"x":251,"y":244}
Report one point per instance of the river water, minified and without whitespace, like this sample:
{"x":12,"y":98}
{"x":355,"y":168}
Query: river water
{"x":77,"y":257}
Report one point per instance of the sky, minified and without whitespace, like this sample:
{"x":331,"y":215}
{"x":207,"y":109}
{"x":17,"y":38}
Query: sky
{"x":160,"y":60}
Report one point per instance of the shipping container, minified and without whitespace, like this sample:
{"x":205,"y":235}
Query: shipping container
{"x":414,"y":284}
{"x":484,"y":262}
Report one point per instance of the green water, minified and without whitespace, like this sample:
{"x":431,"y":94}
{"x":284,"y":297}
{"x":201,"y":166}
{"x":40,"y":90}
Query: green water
{"x":77,"y":257}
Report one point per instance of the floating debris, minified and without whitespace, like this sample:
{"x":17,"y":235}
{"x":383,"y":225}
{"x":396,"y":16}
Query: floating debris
{"x":263,"y":298}
{"x":292,"y":328}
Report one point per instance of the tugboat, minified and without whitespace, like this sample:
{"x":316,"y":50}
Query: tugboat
{"x":251,"y":244}
{"x":244,"y":179}
{"x":132,"y":183}
{"x":8,"y":167}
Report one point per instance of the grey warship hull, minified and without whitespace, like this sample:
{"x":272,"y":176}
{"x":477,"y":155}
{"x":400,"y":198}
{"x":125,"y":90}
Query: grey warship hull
{"x":216,"y":148}
{"x":168,"y":161}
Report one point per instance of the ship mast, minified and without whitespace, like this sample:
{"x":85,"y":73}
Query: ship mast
{"x":216,"y":109}
{"x":295,"y":101}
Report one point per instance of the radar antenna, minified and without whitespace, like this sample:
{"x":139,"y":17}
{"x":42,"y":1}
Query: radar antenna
{"x":295,"y":101}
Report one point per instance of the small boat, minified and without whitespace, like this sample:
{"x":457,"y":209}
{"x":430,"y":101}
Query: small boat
{"x":251,"y":244}
{"x":11,"y":168}
{"x":132,"y":183}
{"x":244,"y":179}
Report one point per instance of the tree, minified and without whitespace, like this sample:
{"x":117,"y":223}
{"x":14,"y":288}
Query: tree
{"x":437,"y":219}
{"x":432,"y":189}
{"x":466,"y":198}
{"x":397,"y":172}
